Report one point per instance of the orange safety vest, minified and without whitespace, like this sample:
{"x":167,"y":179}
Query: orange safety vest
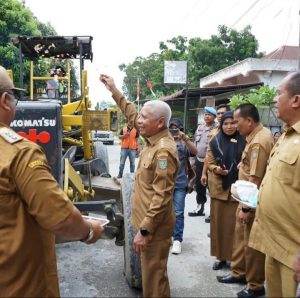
{"x":130,"y":141}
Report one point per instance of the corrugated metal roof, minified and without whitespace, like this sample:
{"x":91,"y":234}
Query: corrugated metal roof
{"x":209,"y":91}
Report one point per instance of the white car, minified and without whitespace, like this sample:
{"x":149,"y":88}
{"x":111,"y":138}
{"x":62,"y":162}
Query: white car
{"x":106,"y":137}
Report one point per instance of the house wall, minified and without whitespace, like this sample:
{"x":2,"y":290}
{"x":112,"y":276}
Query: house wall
{"x":268,"y":71}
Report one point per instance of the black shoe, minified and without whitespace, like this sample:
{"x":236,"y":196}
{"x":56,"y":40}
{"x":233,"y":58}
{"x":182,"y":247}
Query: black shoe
{"x":207,"y":219}
{"x":119,"y":177}
{"x":219,"y":265}
{"x":248,"y":293}
{"x":229,"y":279}
{"x":197,"y":213}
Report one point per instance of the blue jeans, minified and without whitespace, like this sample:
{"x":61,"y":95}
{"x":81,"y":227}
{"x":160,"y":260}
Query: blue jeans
{"x":179,"y":204}
{"x":124,"y":153}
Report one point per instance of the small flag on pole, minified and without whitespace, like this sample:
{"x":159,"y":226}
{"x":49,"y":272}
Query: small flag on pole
{"x":149,"y":85}
{"x":138,"y":90}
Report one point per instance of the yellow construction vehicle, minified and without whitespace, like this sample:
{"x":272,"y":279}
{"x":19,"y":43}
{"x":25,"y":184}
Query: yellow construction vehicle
{"x":64,"y":126}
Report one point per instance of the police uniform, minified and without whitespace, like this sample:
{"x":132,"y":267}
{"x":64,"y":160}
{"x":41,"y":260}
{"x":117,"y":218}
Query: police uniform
{"x":201,"y":142}
{"x":152,"y":202}
{"x":31,"y":202}
{"x":222,"y":213}
{"x":246,"y":261}
{"x":276,"y":228}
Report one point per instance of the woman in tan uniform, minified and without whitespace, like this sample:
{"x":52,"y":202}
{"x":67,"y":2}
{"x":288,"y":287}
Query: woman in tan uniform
{"x":224,"y":154}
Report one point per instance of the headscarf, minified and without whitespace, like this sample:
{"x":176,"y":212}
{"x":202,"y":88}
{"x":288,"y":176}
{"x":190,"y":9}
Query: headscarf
{"x":227,"y":151}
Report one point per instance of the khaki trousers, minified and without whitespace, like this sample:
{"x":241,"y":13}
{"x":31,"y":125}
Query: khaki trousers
{"x":279,"y":279}
{"x":154,"y":268}
{"x":246,"y":261}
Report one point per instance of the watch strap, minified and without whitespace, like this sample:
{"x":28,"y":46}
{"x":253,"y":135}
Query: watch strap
{"x":89,"y":236}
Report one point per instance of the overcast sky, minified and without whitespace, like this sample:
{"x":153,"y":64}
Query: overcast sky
{"x":125,"y":29}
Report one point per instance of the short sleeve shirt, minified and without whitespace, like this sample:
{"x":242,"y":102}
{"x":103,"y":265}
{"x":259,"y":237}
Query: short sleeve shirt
{"x":256,"y":153}
{"x":276,"y":228}
{"x":202,"y":138}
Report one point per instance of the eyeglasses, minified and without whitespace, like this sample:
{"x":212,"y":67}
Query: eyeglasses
{"x":12,"y":92}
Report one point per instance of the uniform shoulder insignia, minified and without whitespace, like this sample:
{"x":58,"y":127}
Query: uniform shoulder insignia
{"x":162,"y":143}
{"x":255,"y":147}
{"x":9,"y":135}
{"x":162,"y":160}
{"x":36,"y":163}
{"x":255,"y":150}
{"x":162,"y":154}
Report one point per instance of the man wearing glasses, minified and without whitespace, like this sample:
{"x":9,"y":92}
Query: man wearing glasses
{"x":33,"y":209}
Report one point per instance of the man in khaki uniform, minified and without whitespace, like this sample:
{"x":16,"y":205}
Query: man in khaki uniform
{"x":247,"y":265}
{"x":152,"y":200}
{"x":33,"y":208}
{"x":276,"y":230}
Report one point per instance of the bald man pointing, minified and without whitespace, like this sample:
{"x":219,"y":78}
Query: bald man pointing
{"x":152,"y":200}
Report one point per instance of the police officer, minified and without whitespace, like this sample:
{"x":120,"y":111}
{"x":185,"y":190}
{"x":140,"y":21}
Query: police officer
{"x":33,"y":208}
{"x":247,"y":264}
{"x":152,"y":202}
{"x":201,"y":142}
{"x":276,"y":228}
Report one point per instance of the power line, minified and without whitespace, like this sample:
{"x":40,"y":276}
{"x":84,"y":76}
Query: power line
{"x":261,"y":10}
{"x":245,"y":13}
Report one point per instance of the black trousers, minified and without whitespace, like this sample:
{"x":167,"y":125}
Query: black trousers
{"x":200,"y":189}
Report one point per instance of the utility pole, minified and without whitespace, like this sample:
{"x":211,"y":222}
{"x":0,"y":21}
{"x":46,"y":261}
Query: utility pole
{"x":185,"y":111}
{"x":299,"y":44}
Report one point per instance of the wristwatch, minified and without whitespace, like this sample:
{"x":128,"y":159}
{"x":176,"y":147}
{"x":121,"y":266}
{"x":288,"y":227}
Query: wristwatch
{"x":89,"y":236}
{"x":185,"y":138}
{"x":144,"y":232}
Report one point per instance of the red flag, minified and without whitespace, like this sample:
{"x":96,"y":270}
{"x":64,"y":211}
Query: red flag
{"x":149,"y":85}
{"x":138,"y":89}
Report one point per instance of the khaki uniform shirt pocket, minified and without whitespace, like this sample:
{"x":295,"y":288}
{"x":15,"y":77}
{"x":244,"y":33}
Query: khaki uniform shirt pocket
{"x":285,"y":168}
{"x":147,"y":171}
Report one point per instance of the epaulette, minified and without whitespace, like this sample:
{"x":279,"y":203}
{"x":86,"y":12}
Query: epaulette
{"x":161,"y":143}
{"x":9,"y":135}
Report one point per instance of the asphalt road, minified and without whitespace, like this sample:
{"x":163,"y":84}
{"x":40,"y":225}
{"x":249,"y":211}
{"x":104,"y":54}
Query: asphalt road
{"x":97,"y":270}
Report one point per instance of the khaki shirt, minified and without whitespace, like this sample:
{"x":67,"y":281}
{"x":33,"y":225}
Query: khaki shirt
{"x":276,"y":229}
{"x":256,"y":153}
{"x":212,"y":133}
{"x":152,"y":199}
{"x":31,"y":202}
{"x":216,"y":190}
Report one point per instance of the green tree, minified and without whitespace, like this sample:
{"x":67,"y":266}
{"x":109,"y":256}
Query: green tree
{"x":204,"y":56}
{"x":15,"y":20}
